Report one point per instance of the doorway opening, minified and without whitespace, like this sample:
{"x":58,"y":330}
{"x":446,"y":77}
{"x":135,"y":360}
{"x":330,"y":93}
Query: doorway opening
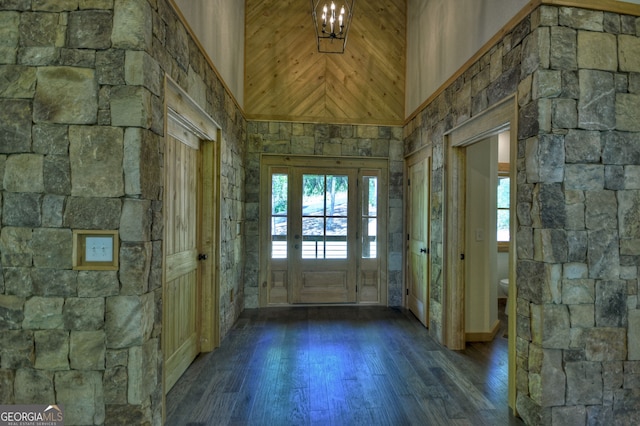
{"x":487,"y":235}
{"x":323,"y":231}
{"x":468,"y":228}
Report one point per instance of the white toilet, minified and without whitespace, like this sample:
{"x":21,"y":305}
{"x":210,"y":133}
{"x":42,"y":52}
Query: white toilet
{"x":504,"y":292}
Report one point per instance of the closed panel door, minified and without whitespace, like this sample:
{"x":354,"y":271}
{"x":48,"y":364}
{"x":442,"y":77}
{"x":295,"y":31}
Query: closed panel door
{"x":181,"y":284}
{"x":418,"y":223}
{"x":323,"y":222}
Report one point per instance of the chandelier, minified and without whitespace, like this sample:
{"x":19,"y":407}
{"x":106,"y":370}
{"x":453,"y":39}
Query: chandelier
{"x":332,"y":25}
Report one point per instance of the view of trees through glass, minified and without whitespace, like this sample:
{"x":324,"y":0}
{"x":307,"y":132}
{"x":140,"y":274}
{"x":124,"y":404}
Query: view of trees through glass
{"x":324,"y":216}
{"x":325,"y":209}
{"x":370,"y":217}
{"x":279,"y":211}
{"x":503,"y":208}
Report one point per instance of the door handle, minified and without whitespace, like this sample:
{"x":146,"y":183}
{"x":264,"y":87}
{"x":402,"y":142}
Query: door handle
{"x":423,"y":250}
{"x":202,"y":256}
{"x":297,"y":237}
{"x":296,"y":246}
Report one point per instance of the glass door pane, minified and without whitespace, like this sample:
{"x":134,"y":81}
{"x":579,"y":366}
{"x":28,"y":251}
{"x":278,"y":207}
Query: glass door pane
{"x":337,"y":204}
{"x":369,"y":217}
{"x":279,"y":212}
{"x":503,"y":199}
{"x":324,"y":216}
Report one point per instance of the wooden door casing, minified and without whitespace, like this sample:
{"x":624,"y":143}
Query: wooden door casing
{"x":190,"y":283}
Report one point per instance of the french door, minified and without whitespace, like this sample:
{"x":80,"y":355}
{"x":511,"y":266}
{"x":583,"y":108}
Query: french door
{"x":324,"y":244}
{"x":323,"y":232}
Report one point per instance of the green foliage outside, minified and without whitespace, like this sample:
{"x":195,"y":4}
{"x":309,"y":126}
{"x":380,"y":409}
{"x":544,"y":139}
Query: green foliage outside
{"x":279,"y":190}
{"x":503,"y":208}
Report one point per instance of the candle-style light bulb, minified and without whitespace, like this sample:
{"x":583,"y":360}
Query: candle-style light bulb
{"x":324,"y":16}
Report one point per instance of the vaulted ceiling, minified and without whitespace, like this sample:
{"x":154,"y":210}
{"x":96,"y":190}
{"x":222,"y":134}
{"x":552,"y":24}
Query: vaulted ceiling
{"x":287,"y":79}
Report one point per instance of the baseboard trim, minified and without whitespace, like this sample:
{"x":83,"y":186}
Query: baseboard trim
{"x":483,"y":336}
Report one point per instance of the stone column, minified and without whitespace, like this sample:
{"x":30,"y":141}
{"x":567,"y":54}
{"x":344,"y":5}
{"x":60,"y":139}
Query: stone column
{"x":577,"y":282}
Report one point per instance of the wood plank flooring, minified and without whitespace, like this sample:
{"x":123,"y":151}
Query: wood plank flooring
{"x":341,"y":366}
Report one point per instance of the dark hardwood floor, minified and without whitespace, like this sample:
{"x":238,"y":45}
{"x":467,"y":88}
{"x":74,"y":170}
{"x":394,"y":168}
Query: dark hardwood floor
{"x":341,"y":366}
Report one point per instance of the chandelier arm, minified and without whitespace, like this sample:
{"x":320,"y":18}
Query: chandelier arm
{"x":348,"y":25}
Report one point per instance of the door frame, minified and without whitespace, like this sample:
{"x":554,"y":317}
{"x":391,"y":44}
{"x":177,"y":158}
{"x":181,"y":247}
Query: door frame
{"x":424,"y":153}
{"x":365,"y":166}
{"x":500,"y":117}
{"x":180,"y":107}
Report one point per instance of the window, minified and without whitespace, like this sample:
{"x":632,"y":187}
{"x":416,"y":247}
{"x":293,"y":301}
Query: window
{"x":503,"y":201}
{"x":279,"y":210}
{"x":324,"y":216}
{"x":369,"y":217}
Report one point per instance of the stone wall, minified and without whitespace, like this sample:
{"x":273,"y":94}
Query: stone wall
{"x":81,"y":146}
{"x":578,"y":217}
{"x":492,"y":78}
{"x":324,"y":140}
{"x":578,"y":329}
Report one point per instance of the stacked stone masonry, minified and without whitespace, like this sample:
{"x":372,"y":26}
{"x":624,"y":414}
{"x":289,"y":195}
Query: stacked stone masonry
{"x":576,"y":74}
{"x":81,"y":147}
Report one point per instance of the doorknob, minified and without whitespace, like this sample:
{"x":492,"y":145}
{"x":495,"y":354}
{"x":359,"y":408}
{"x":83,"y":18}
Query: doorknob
{"x":202,"y":256}
{"x":423,"y":250}
{"x":297,"y":237}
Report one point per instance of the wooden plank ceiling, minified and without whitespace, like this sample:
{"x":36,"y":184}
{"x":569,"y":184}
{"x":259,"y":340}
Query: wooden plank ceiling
{"x":287,"y":79}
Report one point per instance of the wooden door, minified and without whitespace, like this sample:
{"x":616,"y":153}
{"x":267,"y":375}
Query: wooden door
{"x":181,"y":331}
{"x":418,"y":237}
{"x":323,"y":232}
{"x":323,"y":227}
